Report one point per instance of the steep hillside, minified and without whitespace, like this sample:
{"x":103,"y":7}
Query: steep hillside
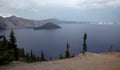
{"x":15,"y":22}
{"x":18,"y":22}
{"x":5,"y":24}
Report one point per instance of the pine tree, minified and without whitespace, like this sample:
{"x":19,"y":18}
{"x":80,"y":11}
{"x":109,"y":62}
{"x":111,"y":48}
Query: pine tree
{"x":31,"y":56}
{"x":42,"y":58}
{"x":13,"y":46}
{"x":5,"y":42}
{"x":34,"y":57}
{"x":22,"y":52}
{"x":67,"y":53}
{"x":84,"y":43}
{"x":5,"y":56}
{"x":27,"y":57}
{"x":60,"y":56}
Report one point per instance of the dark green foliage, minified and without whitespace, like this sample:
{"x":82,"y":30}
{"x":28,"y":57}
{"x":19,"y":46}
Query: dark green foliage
{"x":13,"y":46}
{"x":5,"y":55}
{"x":21,"y":52}
{"x":67,"y":53}
{"x":60,"y":56}
{"x":27,"y":57}
{"x":30,"y":57}
{"x":84,"y":43}
{"x":34,"y":58}
{"x":8,"y":49}
{"x":42,"y":58}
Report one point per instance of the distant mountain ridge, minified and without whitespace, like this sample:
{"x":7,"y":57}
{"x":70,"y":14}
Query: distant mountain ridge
{"x":5,"y":24}
{"x":15,"y":22}
{"x":18,"y":22}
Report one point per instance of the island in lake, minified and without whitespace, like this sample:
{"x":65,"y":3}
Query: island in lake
{"x":47,"y":26}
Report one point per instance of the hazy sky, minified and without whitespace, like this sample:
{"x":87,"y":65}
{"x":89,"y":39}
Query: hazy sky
{"x":78,"y":10}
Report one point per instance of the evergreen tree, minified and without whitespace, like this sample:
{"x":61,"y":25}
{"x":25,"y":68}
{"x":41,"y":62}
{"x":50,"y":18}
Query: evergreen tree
{"x":67,"y":53}
{"x":32,"y":56}
{"x":5,"y":56}
{"x":42,"y":58}
{"x":12,"y":40}
{"x":13,"y":46}
{"x":5,"y":42}
{"x":84,"y":43}
{"x":21,"y":52}
{"x":27,"y":57}
{"x":60,"y":56}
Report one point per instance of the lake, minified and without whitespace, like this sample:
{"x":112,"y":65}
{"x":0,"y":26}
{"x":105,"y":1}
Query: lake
{"x":53,"y":42}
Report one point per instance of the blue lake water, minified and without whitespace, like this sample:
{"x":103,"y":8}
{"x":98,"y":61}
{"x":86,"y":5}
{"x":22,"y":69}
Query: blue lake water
{"x":53,"y":42}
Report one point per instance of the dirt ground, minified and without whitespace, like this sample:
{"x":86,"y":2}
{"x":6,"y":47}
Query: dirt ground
{"x":90,"y":61}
